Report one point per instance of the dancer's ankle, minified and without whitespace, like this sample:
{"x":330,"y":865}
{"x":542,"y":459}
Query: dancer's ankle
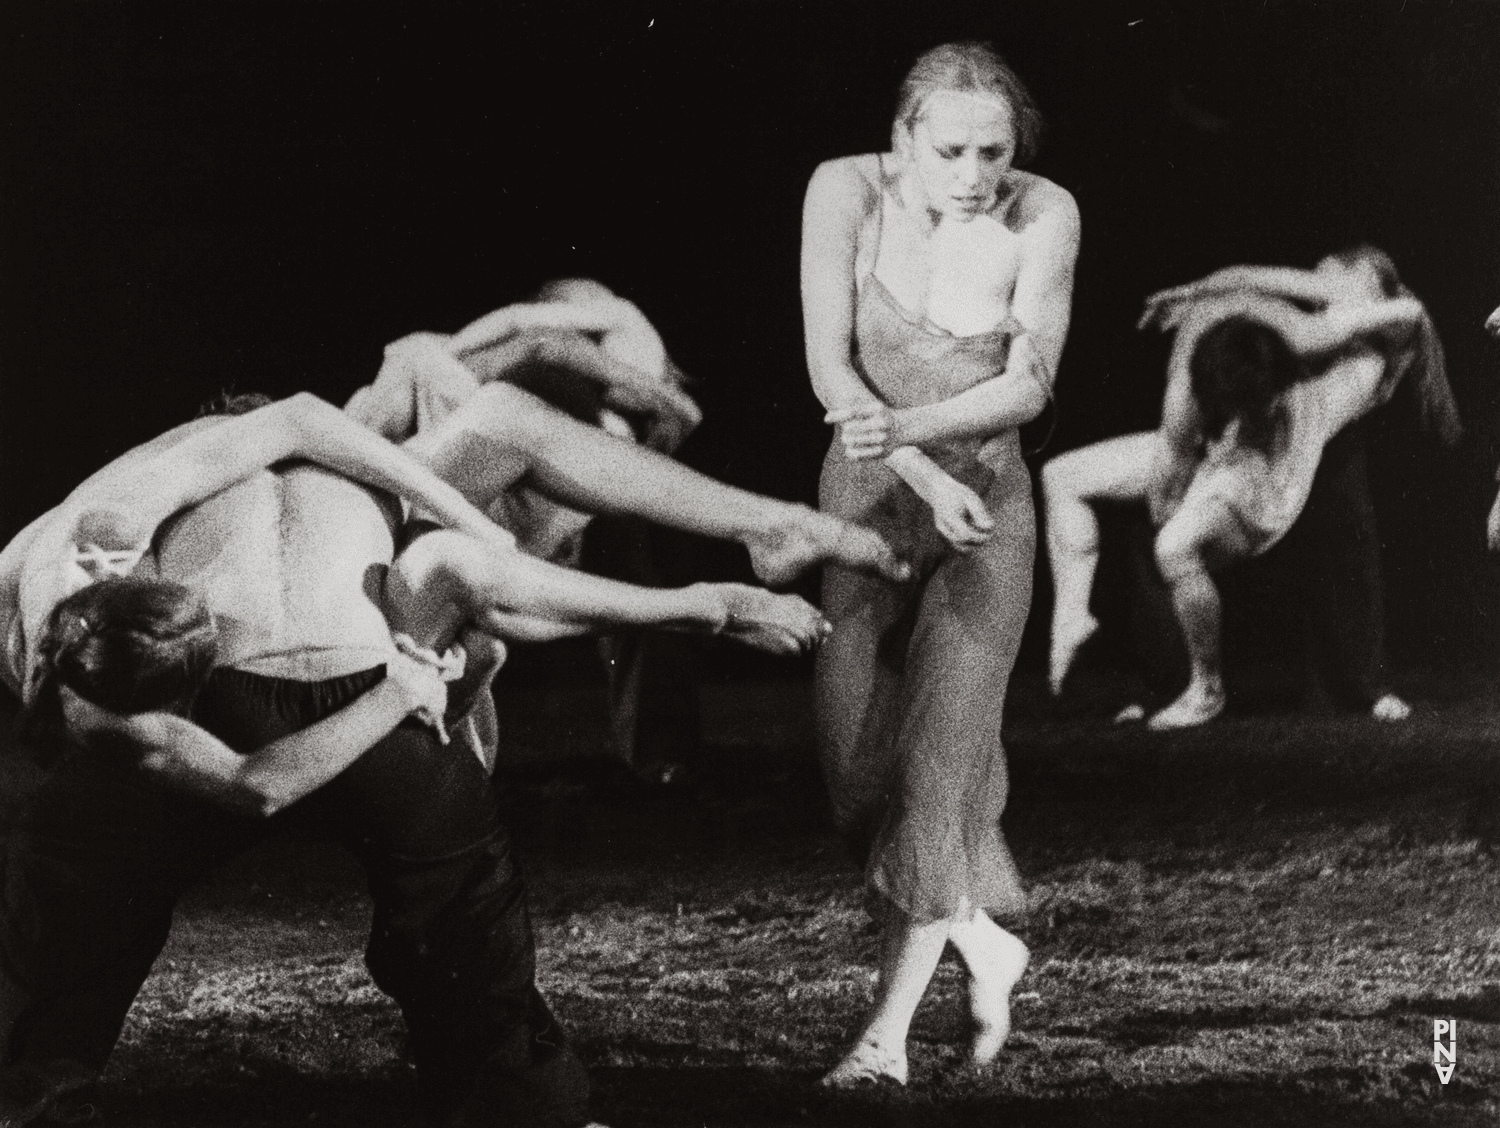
{"x":869,"y":1062}
{"x":1199,"y":703}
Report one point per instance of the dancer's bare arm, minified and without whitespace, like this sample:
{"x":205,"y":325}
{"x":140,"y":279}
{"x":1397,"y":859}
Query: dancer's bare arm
{"x":590,"y":317}
{"x":1041,"y":304}
{"x":1344,"y":325}
{"x":839,"y":198}
{"x":388,"y":406}
{"x":277,"y":775}
{"x":1181,"y":432}
{"x":670,"y":413}
{"x":121,"y":507}
{"x":1288,"y":282}
{"x":143,"y":496}
{"x":448,"y":575}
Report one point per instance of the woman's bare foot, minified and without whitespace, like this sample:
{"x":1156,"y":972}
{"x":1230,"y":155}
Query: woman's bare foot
{"x":779,"y":624}
{"x":1390,"y":708}
{"x":996,"y":960}
{"x":867,"y":1064}
{"x":805,"y":538}
{"x":1068,"y":634}
{"x":1200,"y":703}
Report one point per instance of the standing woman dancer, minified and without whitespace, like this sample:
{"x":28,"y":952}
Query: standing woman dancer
{"x":936,"y":289}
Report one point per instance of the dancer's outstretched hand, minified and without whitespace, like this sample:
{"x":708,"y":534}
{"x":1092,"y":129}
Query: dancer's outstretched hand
{"x":778,"y":624}
{"x":960,"y":514}
{"x":1492,"y":324}
{"x":868,"y":430}
{"x":1492,"y":526}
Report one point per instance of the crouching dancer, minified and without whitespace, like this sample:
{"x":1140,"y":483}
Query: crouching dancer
{"x":247,"y":657}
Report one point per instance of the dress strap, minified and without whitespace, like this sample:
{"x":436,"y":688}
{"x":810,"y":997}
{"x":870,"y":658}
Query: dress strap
{"x":862,"y":279}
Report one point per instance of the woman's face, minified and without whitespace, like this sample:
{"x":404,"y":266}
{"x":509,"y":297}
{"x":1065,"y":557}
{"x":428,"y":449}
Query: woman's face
{"x":961,"y":147}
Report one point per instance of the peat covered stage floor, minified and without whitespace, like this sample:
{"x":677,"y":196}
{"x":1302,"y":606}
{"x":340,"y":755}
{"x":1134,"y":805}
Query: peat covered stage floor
{"x":1254,"y":923}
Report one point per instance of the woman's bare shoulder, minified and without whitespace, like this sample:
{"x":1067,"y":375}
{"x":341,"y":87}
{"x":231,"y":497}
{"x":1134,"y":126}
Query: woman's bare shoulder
{"x":1040,"y":198}
{"x":853,"y":181}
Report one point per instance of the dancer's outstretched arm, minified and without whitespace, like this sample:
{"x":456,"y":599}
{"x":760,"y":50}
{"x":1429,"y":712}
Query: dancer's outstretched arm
{"x":1288,"y":282}
{"x":444,"y":580}
{"x":591,"y":317}
{"x":273,"y":777}
{"x":120,"y":509}
{"x":1343,"y":325}
{"x":504,"y":436}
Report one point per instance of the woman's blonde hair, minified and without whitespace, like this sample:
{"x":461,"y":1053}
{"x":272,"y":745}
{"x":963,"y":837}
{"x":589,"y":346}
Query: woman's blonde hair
{"x":969,"y":67}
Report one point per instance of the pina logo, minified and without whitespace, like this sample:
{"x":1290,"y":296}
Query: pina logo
{"x":1441,"y":1027}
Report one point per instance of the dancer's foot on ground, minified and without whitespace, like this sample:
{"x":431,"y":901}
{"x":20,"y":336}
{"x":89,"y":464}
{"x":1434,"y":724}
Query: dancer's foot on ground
{"x":991,"y":980}
{"x":806,"y":538}
{"x":1390,"y":708}
{"x":777,"y":624}
{"x":1200,"y":703}
{"x":1067,"y":636}
{"x":867,"y":1064}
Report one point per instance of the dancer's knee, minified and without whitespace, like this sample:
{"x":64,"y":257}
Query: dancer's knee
{"x":1061,"y":479}
{"x":1177,"y":556}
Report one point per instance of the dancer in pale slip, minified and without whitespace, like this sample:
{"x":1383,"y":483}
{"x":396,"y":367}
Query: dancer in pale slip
{"x":936,"y":284}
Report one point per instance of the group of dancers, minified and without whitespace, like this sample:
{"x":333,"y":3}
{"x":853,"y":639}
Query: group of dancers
{"x":284,"y":603}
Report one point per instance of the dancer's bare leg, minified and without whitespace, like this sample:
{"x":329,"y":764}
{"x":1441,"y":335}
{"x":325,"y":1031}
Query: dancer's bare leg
{"x":1114,"y":470}
{"x":909,"y":955}
{"x":504,"y":436}
{"x":996,"y":962}
{"x":1182,"y":549}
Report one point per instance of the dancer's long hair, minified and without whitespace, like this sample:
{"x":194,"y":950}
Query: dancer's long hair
{"x":126,"y":644}
{"x":1240,"y":367}
{"x":1422,"y":359}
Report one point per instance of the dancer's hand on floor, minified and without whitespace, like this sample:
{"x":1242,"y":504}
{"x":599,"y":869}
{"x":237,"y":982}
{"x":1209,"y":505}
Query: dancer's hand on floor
{"x":960,"y":515}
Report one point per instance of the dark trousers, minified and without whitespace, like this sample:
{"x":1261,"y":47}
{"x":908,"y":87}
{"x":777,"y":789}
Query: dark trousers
{"x":652,"y":676}
{"x":94,"y":868}
{"x":1326,"y":570}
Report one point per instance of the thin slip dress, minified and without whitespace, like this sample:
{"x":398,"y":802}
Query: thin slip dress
{"x":911,"y":685}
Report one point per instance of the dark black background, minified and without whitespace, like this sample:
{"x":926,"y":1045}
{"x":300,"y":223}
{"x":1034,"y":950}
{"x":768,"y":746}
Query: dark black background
{"x":262,"y":195}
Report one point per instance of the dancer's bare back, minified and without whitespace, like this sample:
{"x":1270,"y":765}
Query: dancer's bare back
{"x":289,"y":561}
